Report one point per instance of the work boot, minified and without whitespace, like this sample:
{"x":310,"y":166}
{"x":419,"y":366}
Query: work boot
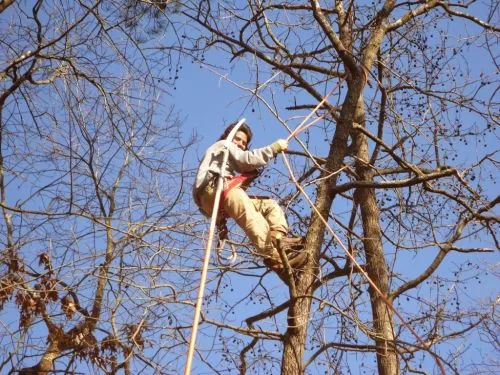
{"x":296,"y":262}
{"x":291,"y":245}
{"x":273,"y":261}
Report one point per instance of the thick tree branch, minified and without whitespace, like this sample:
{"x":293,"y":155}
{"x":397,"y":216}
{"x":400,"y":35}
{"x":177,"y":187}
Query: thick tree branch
{"x":446,"y":6}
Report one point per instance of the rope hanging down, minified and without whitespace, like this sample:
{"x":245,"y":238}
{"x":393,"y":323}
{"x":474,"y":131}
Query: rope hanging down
{"x":213,"y":220}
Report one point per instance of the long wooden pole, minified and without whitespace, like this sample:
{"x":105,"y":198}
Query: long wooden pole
{"x":215,"y":211}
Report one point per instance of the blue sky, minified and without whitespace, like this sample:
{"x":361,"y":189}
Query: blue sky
{"x":208,"y":103}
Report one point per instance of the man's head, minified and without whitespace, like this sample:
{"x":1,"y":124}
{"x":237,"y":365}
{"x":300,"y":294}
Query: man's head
{"x":242,"y":137}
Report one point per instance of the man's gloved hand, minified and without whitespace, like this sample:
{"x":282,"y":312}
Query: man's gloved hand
{"x":279,"y":145}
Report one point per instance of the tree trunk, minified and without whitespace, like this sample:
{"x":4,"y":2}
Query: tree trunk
{"x":295,"y":337}
{"x":387,"y":360}
{"x":376,"y":267}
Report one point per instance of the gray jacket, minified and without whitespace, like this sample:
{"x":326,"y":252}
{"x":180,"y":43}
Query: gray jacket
{"x":239,"y":161}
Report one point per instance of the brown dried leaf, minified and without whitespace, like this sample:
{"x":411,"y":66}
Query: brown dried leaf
{"x":44,"y":259}
{"x":68,"y":306}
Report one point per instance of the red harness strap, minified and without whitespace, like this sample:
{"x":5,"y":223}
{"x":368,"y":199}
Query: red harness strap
{"x":230,"y":184}
{"x":234,"y":182}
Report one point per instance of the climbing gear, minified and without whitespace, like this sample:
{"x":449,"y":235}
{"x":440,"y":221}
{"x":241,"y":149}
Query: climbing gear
{"x":230,"y":183}
{"x":222,"y":232}
{"x":222,"y":239}
{"x":243,"y":180}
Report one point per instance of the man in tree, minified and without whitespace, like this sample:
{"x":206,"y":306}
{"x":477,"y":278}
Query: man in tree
{"x":262,"y":219}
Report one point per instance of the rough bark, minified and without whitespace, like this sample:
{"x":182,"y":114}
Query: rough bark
{"x":295,"y":336}
{"x":46,"y":364}
{"x":376,"y":266}
{"x":5,"y":4}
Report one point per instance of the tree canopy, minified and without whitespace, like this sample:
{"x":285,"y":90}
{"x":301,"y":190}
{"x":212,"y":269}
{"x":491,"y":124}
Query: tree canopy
{"x":393,"y":183}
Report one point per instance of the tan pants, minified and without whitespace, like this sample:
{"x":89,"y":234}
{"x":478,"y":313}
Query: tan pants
{"x":256,"y":216}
